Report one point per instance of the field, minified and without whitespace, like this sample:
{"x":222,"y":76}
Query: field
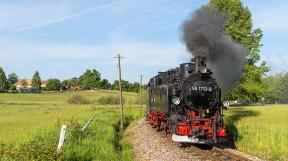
{"x":260,"y":130}
{"x":30,"y":125}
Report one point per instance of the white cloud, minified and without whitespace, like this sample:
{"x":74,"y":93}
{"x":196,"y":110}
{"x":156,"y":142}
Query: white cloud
{"x":16,"y":17}
{"x":19,"y":15}
{"x":270,"y":16}
{"x":65,"y":17}
{"x":65,"y":61}
{"x":140,"y":53}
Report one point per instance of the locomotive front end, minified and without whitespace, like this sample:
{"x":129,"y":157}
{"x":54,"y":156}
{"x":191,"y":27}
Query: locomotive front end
{"x":202,"y":121}
{"x":186,"y":102}
{"x":199,"y":91}
{"x":200,"y":94}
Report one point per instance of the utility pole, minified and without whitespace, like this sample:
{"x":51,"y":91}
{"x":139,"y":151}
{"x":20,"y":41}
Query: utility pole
{"x":119,"y":57}
{"x":141,"y":93}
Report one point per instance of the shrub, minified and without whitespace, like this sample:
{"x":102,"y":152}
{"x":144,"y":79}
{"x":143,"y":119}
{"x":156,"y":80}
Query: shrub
{"x":12,"y":87}
{"x":41,"y":147}
{"x":109,"y":100}
{"x":53,"y":85}
{"x":77,"y":99}
{"x":14,"y":91}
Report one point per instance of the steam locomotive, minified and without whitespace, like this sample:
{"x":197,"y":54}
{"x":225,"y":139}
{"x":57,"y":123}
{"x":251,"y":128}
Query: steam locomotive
{"x":186,"y":102}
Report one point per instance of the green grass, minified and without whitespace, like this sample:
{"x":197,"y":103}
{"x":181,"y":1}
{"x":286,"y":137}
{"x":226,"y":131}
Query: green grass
{"x":30,"y":124}
{"x":259,"y":130}
{"x":60,"y":98}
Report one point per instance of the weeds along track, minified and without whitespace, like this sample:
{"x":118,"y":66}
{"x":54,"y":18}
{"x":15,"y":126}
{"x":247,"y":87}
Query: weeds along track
{"x":213,"y":154}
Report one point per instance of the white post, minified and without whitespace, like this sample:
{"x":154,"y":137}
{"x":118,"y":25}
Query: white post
{"x":87,"y":124}
{"x":62,"y":137}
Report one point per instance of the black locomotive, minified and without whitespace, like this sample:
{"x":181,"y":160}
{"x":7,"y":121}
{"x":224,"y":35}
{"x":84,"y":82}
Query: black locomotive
{"x":186,"y":102}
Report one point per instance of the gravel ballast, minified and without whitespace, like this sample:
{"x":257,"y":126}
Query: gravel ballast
{"x":148,"y":144}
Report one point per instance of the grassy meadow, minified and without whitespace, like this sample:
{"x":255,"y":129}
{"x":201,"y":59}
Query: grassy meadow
{"x":259,"y":130}
{"x":30,"y":125}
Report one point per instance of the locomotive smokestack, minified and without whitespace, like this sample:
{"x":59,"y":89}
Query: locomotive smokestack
{"x":199,"y":62}
{"x":203,"y":36}
{"x":196,"y":65}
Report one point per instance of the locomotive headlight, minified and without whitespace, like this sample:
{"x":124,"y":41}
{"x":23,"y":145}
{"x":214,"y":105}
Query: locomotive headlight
{"x":203,"y":70}
{"x":176,"y":101}
{"x":225,"y":104}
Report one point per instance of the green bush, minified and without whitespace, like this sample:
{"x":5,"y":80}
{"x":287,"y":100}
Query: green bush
{"x":12,"y":87}
{"x":78,"y":99}
{"x":42,"y":147}
{"x":109,"y":100}
{"x":12,"y":91}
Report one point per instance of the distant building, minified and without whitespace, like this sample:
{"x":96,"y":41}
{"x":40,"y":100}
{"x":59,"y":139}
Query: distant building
{"x":74,"y":88}
{"x":44,"y":83}
{"x":23,"y":83}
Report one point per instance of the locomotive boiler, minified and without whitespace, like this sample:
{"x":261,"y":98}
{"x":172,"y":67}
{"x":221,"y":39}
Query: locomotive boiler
{"x":186,"y":102}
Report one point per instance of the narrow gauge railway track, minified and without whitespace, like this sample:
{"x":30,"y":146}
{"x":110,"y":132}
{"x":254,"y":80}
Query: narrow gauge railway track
{"x":230,"y":154}
{"x":214,"y":154}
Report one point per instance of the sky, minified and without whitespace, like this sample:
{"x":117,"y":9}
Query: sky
{"x":63,"y":38}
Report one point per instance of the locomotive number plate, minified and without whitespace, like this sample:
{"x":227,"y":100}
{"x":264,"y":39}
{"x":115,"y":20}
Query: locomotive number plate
{"x":201,"y":88}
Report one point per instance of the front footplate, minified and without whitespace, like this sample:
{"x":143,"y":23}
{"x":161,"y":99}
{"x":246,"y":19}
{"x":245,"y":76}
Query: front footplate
{"x":185,"y":139}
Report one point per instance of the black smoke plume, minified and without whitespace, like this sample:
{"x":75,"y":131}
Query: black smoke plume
{"x":203,"y":36}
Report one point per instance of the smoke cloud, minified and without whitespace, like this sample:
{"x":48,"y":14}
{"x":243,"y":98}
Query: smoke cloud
{"x":203,"y":36}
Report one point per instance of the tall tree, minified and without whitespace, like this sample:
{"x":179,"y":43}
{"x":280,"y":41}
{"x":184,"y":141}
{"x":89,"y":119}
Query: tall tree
{"x":12,"y":79}
{"x":53,"y":85}
{"x":90,"y":79}
{"x":136,"y":86}
{"x":2,"y":79}
{"x":105,"y":84}
{"x":73,"y":83}
{"x":284,"y":89}
{"x":126,"y":86}
{"x":116,"y":85}
{"x":36,"y":80}
{"x":273,"y":93}
{"x":277,"y":91}
{"x":239,"y":27}
{"x":65,"y":83}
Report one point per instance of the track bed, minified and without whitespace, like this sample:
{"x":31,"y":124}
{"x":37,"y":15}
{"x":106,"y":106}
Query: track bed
{"x":148,"y":144}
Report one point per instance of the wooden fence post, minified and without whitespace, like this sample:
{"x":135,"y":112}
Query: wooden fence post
{"x":62,"y":137}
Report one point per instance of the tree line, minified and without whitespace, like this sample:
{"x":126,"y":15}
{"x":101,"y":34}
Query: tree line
{"x":277,"y":88}
{"x":89,"y":80}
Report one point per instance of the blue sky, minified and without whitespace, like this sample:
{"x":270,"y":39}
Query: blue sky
{"x":62,"y":38}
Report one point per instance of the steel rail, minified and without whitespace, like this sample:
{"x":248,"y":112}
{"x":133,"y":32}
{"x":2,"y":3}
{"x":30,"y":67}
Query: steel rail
{"x":230,"y":154}
{"x":215,"y":154}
